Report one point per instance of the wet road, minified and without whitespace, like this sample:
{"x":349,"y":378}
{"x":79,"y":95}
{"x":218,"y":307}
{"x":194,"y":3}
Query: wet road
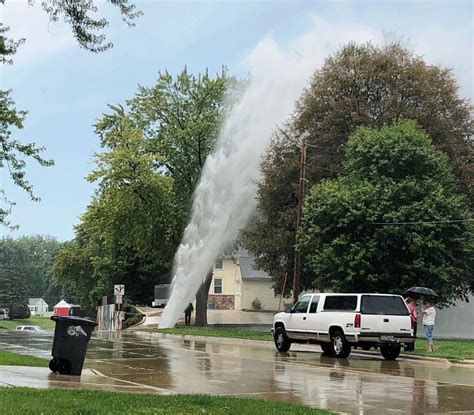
{"x":356,"y":385}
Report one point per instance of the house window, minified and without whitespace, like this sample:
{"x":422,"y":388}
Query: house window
{"x":219,"y":263}
{"x":218,"y":286}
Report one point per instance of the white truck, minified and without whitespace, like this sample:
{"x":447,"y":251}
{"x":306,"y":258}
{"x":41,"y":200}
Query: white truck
{"x":338,"y":322}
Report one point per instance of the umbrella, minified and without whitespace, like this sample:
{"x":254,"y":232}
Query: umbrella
{"x":421,"y":291}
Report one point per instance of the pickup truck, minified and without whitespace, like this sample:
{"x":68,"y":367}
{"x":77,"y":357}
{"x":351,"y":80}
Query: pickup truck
{"x":338,"y":322}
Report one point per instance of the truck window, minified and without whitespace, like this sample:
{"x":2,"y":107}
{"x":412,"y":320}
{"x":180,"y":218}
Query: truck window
{"x":340,"y":303}
{"x":383,"y":304}
{"x":302,"y":305}
{"x":314,"y":304}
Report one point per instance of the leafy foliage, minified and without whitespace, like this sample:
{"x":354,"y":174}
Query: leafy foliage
{"x":31,"y":259}
{"x":154,"y":152}
{"x":392,"y":222}
{"x":78,"y":15}
{"x":359,"y":85}
{"x":13,"y":293}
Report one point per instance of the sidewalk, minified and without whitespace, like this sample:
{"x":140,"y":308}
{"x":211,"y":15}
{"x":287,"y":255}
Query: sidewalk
{"x":42,"y":378}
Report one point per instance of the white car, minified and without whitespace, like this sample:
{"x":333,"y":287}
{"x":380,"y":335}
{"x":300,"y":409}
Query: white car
{"x":29,"y":328}
{"x":337,"y":322}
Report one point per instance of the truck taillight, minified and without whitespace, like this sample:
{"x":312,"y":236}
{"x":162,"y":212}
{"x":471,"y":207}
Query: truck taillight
{"x":357,"y":321}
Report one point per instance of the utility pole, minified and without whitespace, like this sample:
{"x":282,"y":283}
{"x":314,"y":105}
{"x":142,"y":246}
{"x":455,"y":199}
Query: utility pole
{"x":299,"y":214}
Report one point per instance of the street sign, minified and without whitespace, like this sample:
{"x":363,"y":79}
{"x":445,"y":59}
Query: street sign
{"x":119,"y":289}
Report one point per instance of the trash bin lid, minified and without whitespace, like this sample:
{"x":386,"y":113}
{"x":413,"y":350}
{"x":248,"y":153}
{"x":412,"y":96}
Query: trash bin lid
{"x":72,"y":319}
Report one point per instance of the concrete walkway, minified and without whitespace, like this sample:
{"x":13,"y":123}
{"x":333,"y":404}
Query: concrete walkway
{"x":42,"y":377}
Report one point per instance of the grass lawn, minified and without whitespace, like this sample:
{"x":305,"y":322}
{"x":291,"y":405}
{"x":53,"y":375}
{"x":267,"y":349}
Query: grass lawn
{"x":454,"y":350}
{"x":44,"y":322}
{"x":62,"y":401}
{"x":218,"y":332}
{"x":15,"y":359}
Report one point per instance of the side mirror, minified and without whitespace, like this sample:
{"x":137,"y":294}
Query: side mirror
{"x":288,"y":309}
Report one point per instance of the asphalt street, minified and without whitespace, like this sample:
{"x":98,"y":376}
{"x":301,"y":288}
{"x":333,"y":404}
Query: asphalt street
{"x":358,"y":385}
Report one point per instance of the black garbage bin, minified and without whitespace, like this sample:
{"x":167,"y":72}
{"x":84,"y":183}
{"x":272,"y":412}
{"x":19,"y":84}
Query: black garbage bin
{"x":71,"y":336}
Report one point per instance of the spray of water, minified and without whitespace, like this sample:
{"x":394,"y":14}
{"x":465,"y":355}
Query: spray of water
{"x":225,"y":195}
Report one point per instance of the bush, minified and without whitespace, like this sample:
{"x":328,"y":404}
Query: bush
{"x":256,"y":304}
{"x":131,"y":319}
{"x":19,"y":312}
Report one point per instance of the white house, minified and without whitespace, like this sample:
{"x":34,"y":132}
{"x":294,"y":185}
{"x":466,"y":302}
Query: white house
{"x":238,"y":285}
{"x":37,"y":306}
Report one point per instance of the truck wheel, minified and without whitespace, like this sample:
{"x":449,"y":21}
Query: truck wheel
{"x":326,"y":348}
{"x":340,"y":347}
{"x":390,"y":352}
{"x":282,"y":342}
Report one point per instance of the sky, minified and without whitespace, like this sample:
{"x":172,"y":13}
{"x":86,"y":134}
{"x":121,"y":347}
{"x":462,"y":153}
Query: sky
{"x":66,"y":89}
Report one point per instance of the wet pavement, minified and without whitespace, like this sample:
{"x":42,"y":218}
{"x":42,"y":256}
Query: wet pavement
{"x":215,"y":317}
{"x":359,"y":385}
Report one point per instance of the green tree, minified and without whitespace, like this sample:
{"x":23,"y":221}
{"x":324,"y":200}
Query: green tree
{"x":128,"y":234}
{"x":154,"y":151}
{"x":30,"y":259}
{"x":182,"y":117}
{"x":39,"y":254}
{"x":395,"y":220}
{"x":13,"y":286}
{"x":358,"y":85}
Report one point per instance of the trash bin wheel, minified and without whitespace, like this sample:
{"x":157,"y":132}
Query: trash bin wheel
{"x":64,"y":367}
{"x":53,"y":365}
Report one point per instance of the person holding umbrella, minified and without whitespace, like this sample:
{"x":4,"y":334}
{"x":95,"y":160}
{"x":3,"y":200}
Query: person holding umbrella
{"x":429,"y":316}
{"x":428,"y":311}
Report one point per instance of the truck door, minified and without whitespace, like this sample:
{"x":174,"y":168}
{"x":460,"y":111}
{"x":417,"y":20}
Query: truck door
{"x":299,"y":314}
{"x":313,"y":320}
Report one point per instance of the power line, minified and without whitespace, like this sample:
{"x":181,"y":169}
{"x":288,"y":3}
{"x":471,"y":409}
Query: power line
{"x":433,"y":222}
{"x":395,"y":179}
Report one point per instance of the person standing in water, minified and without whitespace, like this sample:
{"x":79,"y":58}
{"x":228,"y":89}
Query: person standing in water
{"x":429,"y":316}
{"x":187,"y":314}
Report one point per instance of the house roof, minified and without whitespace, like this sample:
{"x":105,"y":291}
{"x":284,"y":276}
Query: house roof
{"x":63,"y":304}
{"x":36,"y":301}
{"x":248,"y":270}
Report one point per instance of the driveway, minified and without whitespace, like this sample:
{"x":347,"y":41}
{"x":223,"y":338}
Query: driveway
{"x":359,"y":385}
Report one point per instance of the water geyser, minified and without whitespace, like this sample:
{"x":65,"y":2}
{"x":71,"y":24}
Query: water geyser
{"x":225,"y":195}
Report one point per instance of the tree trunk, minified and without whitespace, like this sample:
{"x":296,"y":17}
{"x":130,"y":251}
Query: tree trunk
{"x":201,"y":301}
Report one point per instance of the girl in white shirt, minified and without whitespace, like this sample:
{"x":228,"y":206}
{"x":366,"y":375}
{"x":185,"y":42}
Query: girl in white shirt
{"x":429,"y":316}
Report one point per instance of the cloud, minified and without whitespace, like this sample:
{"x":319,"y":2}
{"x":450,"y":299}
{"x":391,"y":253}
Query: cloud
{"x":44,"y":39}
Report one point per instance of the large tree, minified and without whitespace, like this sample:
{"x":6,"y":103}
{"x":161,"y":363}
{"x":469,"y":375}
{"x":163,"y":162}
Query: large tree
{"x":358,"y":85}
{"x":154,"y":150}
{"x":129,"y":232}
{"x":394,"y":219}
